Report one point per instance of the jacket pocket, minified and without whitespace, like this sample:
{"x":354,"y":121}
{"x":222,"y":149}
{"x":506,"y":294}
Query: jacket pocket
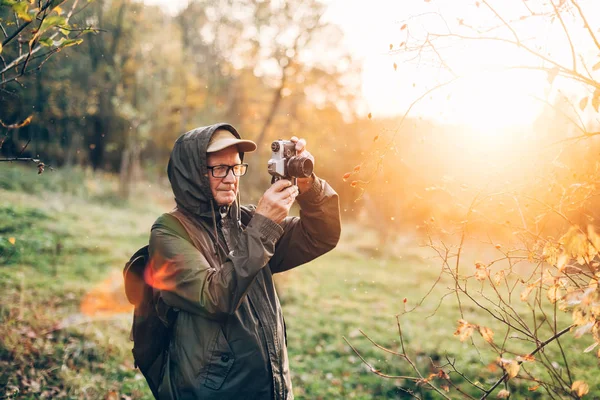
{"x":220,"y":363}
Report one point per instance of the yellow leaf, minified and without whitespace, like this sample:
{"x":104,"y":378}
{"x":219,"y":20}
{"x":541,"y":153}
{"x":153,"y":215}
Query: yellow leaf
{"x":533,"y":388}
{"x":25,"y":122}
{"x":512,"y":369}
{"x":591,"y":347}
{"x":464,"y":330}
{"x":487,"y":334}
{"x":498,"y":277}
{"x":12,"y":240}
{"x":503,"y":394}
{"x":550,"y":253}
{"x":526,"y":358}
{"x":580,"y":388}
{"x":481,"y":272}
{"x":583,"y":103}
{"x":525,"y":293}
{"x":579,"y":318}
{"x":554,"y":293}
{"x":583,"y":329}
{"x":576,"y":244}
{"x":0,"y":48}
{"x":561,"y":263}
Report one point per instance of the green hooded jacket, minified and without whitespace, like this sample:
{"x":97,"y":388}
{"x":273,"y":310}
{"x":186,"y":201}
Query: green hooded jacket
{"x":216,"y":269}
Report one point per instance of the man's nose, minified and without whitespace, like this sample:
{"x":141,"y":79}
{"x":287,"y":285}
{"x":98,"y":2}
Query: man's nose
{"x":230,"y":177}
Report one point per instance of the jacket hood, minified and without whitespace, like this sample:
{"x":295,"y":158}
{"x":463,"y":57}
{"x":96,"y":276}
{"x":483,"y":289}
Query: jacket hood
{"x":188,"y":173}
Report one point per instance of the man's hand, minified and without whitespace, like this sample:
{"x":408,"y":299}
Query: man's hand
{"x":276,"y":202}
{"x":303,"y":183}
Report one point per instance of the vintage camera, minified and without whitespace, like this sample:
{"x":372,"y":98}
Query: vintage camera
{"x":285,"y":164}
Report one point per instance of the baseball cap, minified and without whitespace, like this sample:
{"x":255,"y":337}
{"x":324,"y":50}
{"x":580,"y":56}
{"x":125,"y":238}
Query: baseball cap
{"x":222,"y":139}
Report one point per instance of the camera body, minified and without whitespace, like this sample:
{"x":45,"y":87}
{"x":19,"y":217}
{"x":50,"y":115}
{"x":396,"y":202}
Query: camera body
{"x":285,"y":164}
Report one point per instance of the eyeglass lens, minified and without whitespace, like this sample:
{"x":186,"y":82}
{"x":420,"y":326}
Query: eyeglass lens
{"x":221,"y":171}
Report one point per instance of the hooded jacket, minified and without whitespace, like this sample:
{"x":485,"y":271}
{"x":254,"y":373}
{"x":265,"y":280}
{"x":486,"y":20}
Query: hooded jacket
{"x":215,"y":267}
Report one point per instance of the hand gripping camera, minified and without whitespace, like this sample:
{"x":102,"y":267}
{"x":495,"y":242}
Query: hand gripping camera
{"x":285,"y":164}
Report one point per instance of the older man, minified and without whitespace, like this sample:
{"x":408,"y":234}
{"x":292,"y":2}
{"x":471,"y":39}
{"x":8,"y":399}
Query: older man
{"x":217,"y":260}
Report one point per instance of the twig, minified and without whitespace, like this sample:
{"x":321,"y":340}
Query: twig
{"x":540,"y":347}
{"x":411,"y":378}
{"x":586,"y":24}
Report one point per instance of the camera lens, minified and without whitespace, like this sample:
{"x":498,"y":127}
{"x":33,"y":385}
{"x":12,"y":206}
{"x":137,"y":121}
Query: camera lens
{"x":275,"y":146}
{"x":300,"y":167}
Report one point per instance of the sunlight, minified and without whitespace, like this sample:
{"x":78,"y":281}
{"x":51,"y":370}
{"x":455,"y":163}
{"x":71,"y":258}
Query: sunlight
{"x":492,"y":103}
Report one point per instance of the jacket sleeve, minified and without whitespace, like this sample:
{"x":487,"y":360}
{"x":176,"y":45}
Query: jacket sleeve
{"x":187,"y":280}
{"x":314,"y":233}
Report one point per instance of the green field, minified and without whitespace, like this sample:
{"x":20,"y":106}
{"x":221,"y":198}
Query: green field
{"x":63,"y":234}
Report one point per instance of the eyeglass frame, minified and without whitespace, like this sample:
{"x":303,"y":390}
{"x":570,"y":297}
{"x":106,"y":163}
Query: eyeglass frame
{"x":229,"y":168}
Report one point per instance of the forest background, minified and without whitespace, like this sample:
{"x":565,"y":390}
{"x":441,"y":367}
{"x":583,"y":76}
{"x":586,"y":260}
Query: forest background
{"x":471,"y":199}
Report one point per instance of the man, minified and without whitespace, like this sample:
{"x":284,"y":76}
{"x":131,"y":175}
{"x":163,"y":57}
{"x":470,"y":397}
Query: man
{"x":215,"y":261}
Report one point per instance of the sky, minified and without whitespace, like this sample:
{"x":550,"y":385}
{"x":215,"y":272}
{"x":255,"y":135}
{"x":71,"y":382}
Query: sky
{"x":482,"y":97}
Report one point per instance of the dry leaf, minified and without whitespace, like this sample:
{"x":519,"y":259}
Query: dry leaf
{"x":526,"y":358}
{"x":554,"y":293}
{"x":498,"y":277}
{"x":583,"y":103}
{"x":25,"y":122}
{"x":580,"y":388}
{"x":591,"y":347}
{"x":512,"y":369}
{"x":481,"y":272}
{"x":503,"y":394}
{"x":464,"y":330}
{"x":487,"y":334}
{"x":525,"y":293}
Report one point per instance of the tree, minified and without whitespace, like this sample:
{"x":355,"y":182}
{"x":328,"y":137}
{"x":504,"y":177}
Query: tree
{"x":33,"y":32}
{"x":546,"y":262}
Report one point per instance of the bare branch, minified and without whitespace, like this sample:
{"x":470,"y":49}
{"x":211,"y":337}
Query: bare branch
{"x":559,"y":16}
{"x":540,"y":347}
{"x":586,"y":24}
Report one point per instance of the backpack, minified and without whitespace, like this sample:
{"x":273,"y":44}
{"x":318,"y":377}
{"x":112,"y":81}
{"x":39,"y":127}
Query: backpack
{"x":153,"y":321}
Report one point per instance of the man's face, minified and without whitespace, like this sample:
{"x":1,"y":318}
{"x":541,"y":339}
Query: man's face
{"x":224,"y":190}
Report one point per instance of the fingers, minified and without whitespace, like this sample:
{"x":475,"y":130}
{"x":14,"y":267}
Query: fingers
{"x":284,"y":190}
{"x":290,"y":193}
{"x":281,"y":184}
{"x":275,"y":204}
{"x":300,"y":144}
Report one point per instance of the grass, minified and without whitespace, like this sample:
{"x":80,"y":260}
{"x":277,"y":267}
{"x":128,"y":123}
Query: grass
{"x":59,"y":244}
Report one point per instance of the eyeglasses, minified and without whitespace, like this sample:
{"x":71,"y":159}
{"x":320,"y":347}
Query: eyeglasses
{"x":221,"y":171}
